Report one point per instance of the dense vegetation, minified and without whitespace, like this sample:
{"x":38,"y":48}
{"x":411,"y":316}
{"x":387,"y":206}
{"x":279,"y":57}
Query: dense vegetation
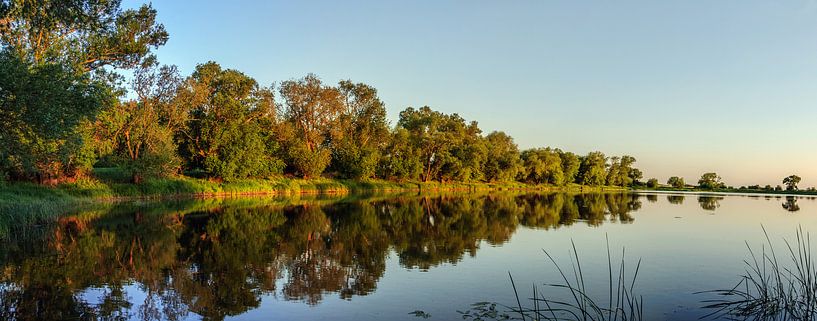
{"x":65,"y":108}
{"x":67,"y":112}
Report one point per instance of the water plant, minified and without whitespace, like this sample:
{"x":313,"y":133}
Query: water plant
{"x":621,"y":303}
{"x":770,"y":289}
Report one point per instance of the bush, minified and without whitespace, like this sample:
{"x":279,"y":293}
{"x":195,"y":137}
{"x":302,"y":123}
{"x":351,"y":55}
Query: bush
{"x":308,"y":163}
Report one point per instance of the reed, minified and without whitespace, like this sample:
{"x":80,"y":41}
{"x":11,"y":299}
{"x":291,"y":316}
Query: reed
{"x":771,"y":288}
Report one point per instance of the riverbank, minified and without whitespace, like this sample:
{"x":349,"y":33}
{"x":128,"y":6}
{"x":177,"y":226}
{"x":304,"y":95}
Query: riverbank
{"x":38,"y":201}
{"x":728,"y":191}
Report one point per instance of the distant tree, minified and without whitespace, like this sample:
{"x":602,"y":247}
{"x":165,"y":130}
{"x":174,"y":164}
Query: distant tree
{"x":710,"y":181}
{"x":448,"y":148}
{"x":768,"y":187}
{"x":652,"y":183}
{"x":635,"y":176}
{"x":502,"y":162}
{"x":677,"y":182}
{"x":542,"y":166}
{"x":791,"y":182}
{"x":593,"y":169}
{"x":778,"y":188}
{"x":570,"y":166}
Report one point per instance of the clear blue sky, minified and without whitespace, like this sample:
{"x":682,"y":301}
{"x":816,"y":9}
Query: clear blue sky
{"x":684,"y":86}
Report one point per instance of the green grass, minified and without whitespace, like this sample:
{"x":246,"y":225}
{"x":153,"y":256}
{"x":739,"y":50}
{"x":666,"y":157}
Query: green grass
{"x":27,"y":203}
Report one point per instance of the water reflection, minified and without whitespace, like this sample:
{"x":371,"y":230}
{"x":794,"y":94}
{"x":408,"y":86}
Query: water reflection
{"x":709,"y":203}
{"x":220,"y":258}
{"x":675,"y":199}
{"x":791,"y":204}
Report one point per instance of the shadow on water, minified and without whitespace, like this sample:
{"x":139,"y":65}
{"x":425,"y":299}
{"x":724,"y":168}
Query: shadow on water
{"x":219,"y":258}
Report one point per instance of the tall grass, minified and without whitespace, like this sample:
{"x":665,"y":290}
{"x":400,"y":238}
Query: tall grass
{"x":620,"y":303}
{"x":770,"y":289}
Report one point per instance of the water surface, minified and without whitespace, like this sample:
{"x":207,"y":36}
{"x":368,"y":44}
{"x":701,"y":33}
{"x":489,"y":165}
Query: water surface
{"x":376,"y":258}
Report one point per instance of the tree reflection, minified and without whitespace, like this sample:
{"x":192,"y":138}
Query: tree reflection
{"x":709,"y":203}
{"x":221,"y":258}
{"x":675,"y":199}
{"x":791,"y":204}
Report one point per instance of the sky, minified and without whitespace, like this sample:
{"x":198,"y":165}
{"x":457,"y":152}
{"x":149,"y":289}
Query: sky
{"x":686,"y":87}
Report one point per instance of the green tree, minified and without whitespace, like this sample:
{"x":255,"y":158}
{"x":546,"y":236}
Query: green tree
{"x":652,"y":183}
{"x":142,"y":130}
{"x":356,"y":147}
{"x":570,"y":166}
{"x":41,"y":109}
{"x":84,"y":34}
{"x":49,"y":48}
{"x":448,"y":148}
{"x":542,"y":166}
{"x":399,"y":159}
{"x":710,"y":181}
{"x":502,"y":161}
{"x":677,"y":182}
{"x":312,"y":112}
{"x":593,"y":169}
{"x":791,"y":182}
{"x":225,"y":133}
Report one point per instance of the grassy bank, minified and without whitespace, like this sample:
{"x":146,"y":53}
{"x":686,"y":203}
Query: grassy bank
{"x":107,"y":185}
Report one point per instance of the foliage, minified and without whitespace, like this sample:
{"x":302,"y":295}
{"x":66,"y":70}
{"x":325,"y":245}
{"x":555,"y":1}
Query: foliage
{"x":82,"y":34}
{"x":676,"y":182}
{"x":362,"y":125}
{"x":542,"y":166}
{"x":791,"y":182}
{"x":502,"y":160}
{"x":652,"y":183}
{"x":41,"y":109}
{"x":593,"y":169}
{"x":448,"y":148}
{"x":621,"y":171}
{"x":225,"y":133}
{"x":710,"y":181}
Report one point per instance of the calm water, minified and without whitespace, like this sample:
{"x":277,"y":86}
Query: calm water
{"x":376,"y":258}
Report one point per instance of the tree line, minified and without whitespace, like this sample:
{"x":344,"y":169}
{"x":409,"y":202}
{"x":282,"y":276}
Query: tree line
{"x":65,"y":108}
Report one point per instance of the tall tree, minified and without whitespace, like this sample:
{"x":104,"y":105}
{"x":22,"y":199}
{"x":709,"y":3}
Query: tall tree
{"x":224,"y":133}
{"x":502,"y":161}
{"x":570,"y":166}
{"x":791,"y":182}
{"x":63,"y":41}
{"x":312,"y":110}
{"x":677,"y":182}
{"x":85,"y":34}
{"x":593,"y":169}
{"x":142,"y":130}
{"x":710,"y":181}
{"x":445,"y":144}
{"x":356,"y":146}
{"x":542,"y":166}
{"x":41,"y":108}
